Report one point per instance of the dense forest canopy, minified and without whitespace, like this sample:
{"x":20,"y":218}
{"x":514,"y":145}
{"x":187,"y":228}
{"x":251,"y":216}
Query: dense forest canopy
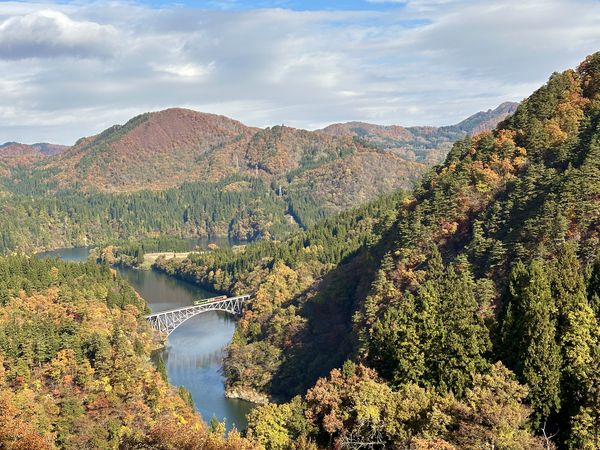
{"x":471,"y":315}
{"x":236,"y":207}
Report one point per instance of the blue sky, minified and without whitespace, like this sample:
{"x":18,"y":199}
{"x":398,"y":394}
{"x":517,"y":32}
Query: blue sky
{"x":72,"y":68}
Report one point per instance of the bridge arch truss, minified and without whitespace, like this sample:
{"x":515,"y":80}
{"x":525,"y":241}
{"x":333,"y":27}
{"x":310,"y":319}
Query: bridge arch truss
{"x":168,"y":321}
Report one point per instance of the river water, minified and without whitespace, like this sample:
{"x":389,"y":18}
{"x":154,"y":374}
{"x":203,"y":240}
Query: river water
{"x":194,"y":351}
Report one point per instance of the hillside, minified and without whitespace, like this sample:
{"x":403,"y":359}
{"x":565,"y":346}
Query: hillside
{"x":189,"y":174}
{"x":154,"y":150}
{"x":75,"y":367}
{"x":164,"y":149}
{"x":423,"y":144}
{"x":470,"y":311}
{"x":13,"y":154}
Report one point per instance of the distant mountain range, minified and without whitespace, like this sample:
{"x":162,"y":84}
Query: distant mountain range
{"x":486,"y":120}
{"x":42,"y":148}
{"x":337,"y":166}
{"x":423,"y":144}
{"x":13,"y":154}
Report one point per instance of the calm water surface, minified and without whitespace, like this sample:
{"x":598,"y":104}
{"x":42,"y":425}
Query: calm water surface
{"x":194,"y":352}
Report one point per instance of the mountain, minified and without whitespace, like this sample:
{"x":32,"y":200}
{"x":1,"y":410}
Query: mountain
{"x":333,"y":168}
{"x":465,"y":315}
{"x":153,"y":150}
{"x":423,"y":144}
{"x":185,"y":173}
{"x":486,"y":120}
{"x":163,"y":149}
{"x":13,"y":154}
{"x":167,"y":148}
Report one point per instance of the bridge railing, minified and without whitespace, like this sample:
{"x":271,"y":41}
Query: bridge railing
{"x":243,"y":298}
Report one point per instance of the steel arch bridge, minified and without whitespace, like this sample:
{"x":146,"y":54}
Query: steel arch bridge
{"x":168,"y":321}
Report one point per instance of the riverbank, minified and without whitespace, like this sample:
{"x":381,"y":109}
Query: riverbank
{"x":144,"y":253}
{"x":150,"y":258}
{"x":247,"y":394}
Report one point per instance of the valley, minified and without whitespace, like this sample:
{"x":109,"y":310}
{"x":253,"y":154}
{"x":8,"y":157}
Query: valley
{"x":193,"y":355}
{"x":412,"y":287}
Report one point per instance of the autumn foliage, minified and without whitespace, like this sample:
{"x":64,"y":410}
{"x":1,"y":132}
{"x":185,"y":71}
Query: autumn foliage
{"x":75,"y":370}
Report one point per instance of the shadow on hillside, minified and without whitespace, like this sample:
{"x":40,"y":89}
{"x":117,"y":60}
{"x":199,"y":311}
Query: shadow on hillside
{"x":328,"y":340}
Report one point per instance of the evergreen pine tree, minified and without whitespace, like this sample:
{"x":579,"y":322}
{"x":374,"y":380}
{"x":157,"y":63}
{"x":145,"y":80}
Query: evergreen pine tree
{"x":396,"y":349}
{"x":593,"y":287}
{"x":463,"y":339}
{"x":538,"y":353}
{"x":577,"y":326}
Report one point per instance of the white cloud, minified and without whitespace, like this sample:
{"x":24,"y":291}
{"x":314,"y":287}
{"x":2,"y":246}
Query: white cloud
{"x":514,"y":40}
{"x":49,"y":33}
{"x":190,"y":70}
{"x":71,"y":70}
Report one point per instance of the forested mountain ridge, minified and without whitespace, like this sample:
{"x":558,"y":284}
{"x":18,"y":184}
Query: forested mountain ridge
{"x":13,"y":154}
{"x":480,"y":320}
{"x":496,"y":259}
{"x":166,"y":148}
{"x":153,"y":150}
{"x":190,"y":174}
{"x":251,"y":183}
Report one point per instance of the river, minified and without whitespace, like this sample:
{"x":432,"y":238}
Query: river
{"x":194,"y":351}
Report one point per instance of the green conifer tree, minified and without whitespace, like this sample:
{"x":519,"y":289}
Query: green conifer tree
{"x":577,"y":328}
{"x":537,"y":358}
{"x":463,"y":339}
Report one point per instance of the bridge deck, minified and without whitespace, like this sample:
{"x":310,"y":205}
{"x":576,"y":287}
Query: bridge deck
{"x":185,"y":308}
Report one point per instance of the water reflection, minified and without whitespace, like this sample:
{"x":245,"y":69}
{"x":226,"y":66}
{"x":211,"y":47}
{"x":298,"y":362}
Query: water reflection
{"x":181,"y":362}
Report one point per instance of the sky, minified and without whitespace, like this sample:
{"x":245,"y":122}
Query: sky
{"x":73,"y":68}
